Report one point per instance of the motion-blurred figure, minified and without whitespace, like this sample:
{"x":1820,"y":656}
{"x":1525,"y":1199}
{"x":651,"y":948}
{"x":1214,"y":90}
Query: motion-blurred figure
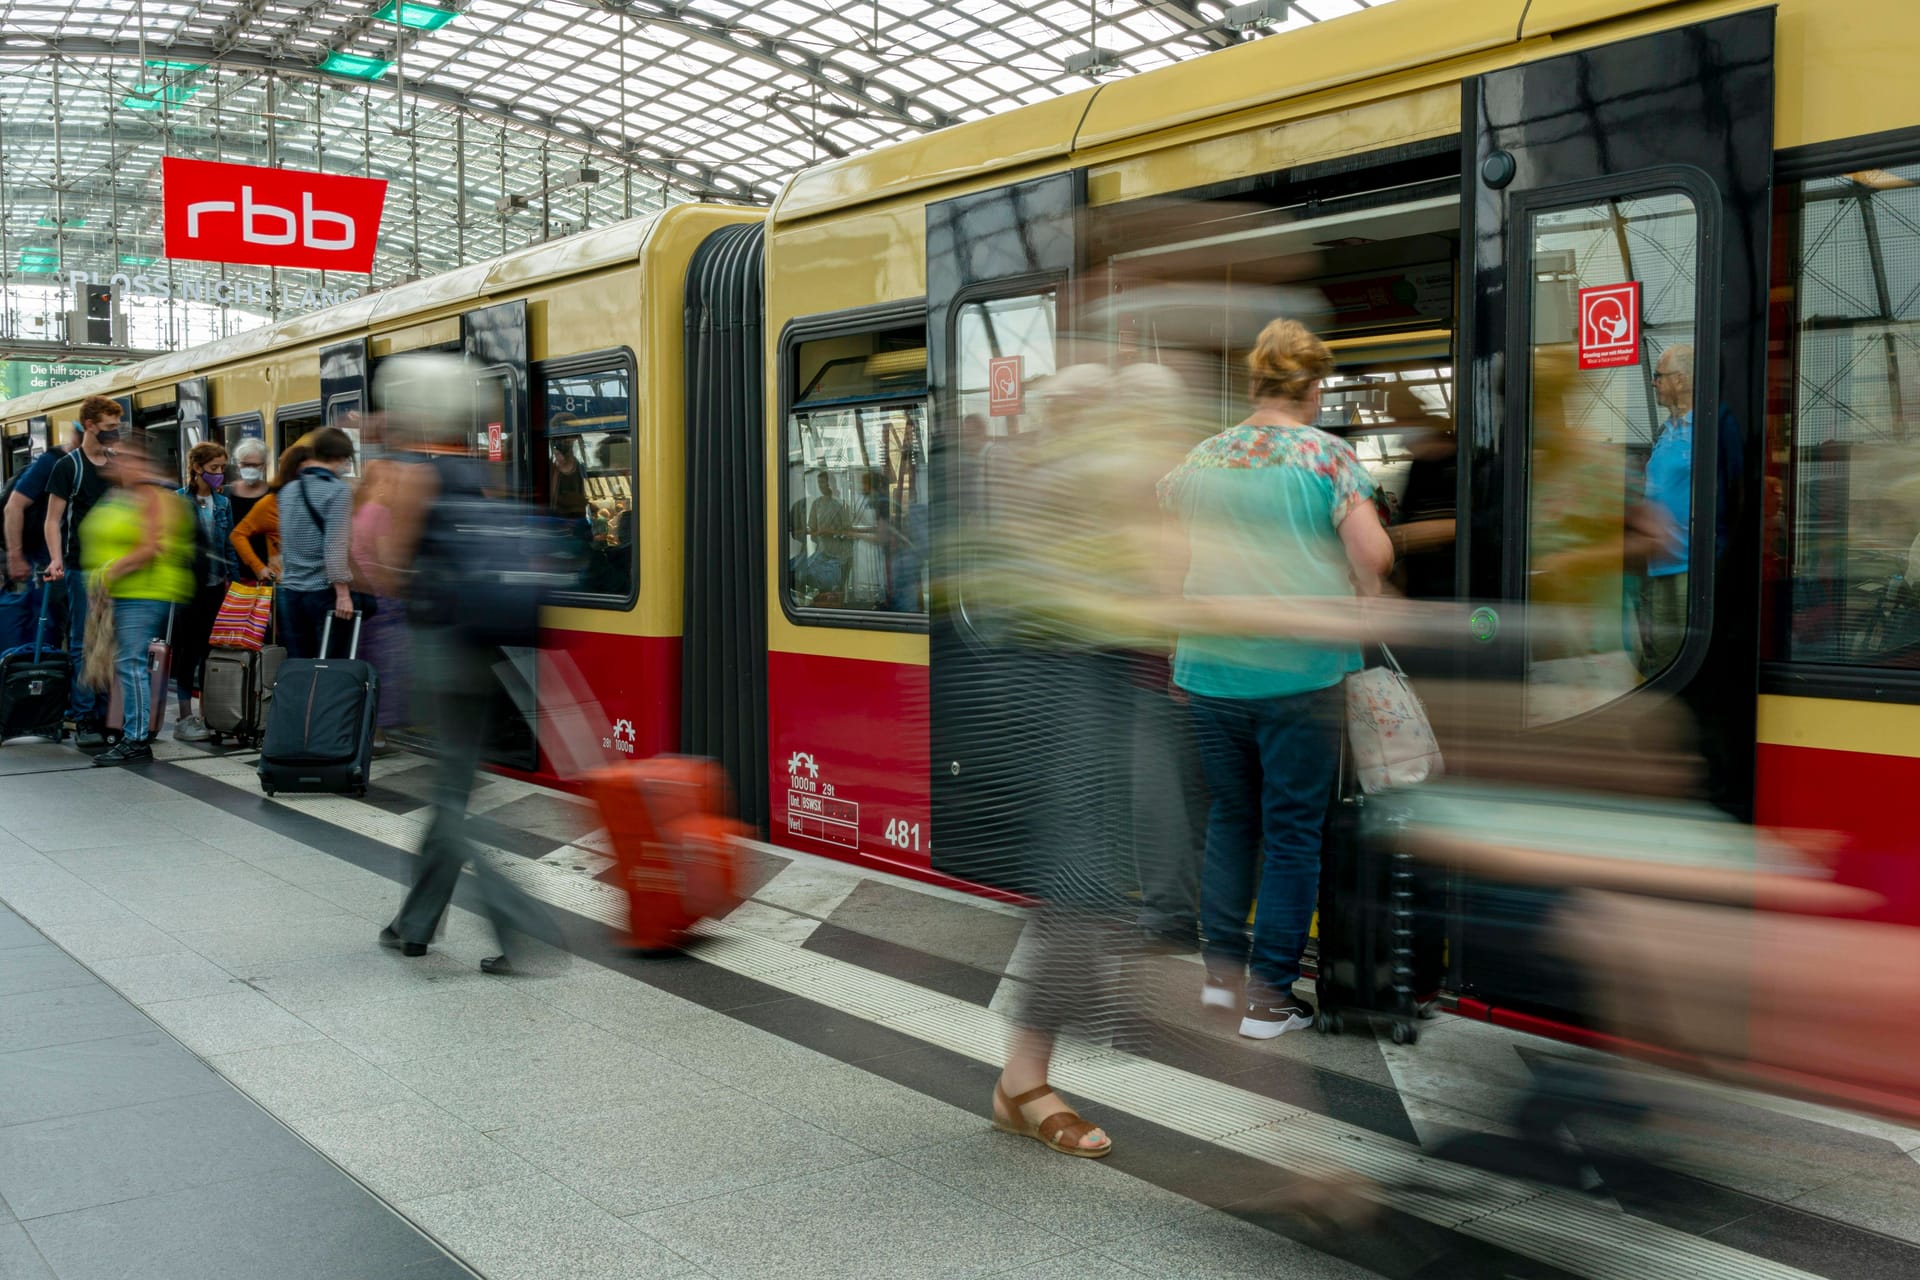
{"x":1273,"y":507}
{"x":1068,"y":581}
{"x":1669,"y":492}
{"x":441,"y":544}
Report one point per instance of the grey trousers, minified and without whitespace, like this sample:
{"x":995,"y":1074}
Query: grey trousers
{"x":457,"y":681}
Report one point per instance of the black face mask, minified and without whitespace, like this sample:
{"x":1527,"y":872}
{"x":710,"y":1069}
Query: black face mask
{"x":111,"y":436}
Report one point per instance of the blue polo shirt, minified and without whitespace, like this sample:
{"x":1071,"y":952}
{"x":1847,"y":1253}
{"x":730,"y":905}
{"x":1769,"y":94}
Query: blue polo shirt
{"x":1670,"y":488}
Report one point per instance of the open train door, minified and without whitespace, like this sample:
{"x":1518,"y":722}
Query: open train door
{"x":1000,"y":264}
{"x":190,"y":411}
{"x":495,"y":341}
{"x":343,"y":387}
{"x":1616,"y":206}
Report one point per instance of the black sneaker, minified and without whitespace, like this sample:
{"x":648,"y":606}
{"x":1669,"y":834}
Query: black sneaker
{"x":1266,"y":1017}
{"x":126,"y":751}
{"x":89,"y":736}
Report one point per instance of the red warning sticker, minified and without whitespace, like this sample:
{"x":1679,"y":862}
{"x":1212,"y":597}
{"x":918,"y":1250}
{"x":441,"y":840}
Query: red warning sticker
{"x":495,"y":450}
{"x":1610,"y":326}
{"x":1004,"y":390}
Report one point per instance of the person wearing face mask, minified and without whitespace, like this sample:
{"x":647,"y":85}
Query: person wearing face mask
{"x":78,"y":481}
{"x":213,"y":570}
{"x":247,"y":483}
{"x":316,"y":521}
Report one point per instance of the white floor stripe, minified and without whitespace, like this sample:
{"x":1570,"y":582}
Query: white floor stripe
{"x":1567,"y":1231}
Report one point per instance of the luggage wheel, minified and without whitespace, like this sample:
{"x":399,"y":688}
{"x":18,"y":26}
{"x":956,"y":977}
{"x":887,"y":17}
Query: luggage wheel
{"x":1328,"y":1024}
{"x":1405,"y":1033}
{"x":269,"y":790}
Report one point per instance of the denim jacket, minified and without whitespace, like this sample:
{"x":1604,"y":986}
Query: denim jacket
{"x":219,"y":554}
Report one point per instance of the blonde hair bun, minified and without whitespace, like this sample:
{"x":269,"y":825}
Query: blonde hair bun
{"x":1286,"y":360}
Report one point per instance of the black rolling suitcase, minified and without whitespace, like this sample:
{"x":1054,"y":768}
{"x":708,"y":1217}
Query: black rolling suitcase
{"x":1381,"y":936}
{"x":319,"y":734}
{"x":35,"y":683}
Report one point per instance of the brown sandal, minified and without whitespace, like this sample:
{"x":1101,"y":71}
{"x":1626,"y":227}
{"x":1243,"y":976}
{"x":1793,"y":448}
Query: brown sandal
{"x":1061,"y":1131}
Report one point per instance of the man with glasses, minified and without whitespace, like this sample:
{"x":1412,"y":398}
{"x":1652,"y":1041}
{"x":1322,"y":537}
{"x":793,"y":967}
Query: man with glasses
{"x":1669,"y":491}
{"x":78,"y":481}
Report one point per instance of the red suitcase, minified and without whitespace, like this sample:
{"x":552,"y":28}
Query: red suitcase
{"x":159,"y":673}
{"x":672,"y":844}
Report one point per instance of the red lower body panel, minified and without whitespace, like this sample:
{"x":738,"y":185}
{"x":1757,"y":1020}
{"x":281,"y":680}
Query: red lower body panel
{"x":636,"y":682}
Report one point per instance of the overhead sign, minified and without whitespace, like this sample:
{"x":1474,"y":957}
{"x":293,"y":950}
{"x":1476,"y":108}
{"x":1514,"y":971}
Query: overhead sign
{"x":1004,"y":392}
{"x":1610,"y":326}
{"x":270,"y":217}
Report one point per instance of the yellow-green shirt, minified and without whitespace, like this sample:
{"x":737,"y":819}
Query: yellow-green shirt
{"x":116,"y":527}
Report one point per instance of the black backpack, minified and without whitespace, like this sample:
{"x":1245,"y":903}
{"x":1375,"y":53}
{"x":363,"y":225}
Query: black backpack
{"x":485,"y":566}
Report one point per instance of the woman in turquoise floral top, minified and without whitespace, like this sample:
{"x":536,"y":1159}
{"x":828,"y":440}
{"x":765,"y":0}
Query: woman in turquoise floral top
{"x":1273,"y":507}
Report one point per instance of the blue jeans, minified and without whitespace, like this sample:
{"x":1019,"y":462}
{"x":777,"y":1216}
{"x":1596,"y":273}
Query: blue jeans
{"x":1270,"y":765}
{"x":136,"y":624}
{"x":83,"y":704}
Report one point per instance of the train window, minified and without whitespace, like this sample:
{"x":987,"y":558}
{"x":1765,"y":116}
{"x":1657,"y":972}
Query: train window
{"x":856,"y":473}
{"x":1611,"y":447}
{"x":1843,"y":514}
{"x":586,"y":476}
{"x":1001,"y":347}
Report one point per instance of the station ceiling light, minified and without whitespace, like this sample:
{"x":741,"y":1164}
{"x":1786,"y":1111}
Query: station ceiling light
{"x":352,"y":64}
{"x":409,"y":13}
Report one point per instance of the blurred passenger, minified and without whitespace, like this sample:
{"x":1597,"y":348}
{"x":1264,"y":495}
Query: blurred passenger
{"x":245,"y":490}
{"x":138,"y":548}
{"x":76,"y":482}
{"x":830,"y":522}
{"x":384,"y":640}
{"x":256,"y":536}
{"x":1271,"y":507}
{"x":872,"y":537}
{"x":1423,"y":535}
{"x":1069,"y":582}
{"x":25,"y":516}
{"x":1669,"y":491}
{"x":438,"y":497}
{"x":213,"y":562}
{"x":566,"y":483}
{"x":316,"y":523}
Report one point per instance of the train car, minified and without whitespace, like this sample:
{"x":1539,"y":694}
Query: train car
{"x":1480,"y":194}
{"x":578,"y":352}
{"x":1512,"y":211}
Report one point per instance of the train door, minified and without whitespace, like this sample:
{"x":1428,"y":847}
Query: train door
{"x":343,"y":390}
{"x":999,"y":267}
{"x":1614,"y":264}
{"x":495,"y":341}
{"x":191,"y":410}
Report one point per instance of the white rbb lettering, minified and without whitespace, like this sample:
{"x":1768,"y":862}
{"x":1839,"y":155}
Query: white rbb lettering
{"x":313,"y":217}
{"x":249,"y":211}
{"x":272,"y":224}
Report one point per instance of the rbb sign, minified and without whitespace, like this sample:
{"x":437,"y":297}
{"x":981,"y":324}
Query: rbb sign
{"x":270,"y":217}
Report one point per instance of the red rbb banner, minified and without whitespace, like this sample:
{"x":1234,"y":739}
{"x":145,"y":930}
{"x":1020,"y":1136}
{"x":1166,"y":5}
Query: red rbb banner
{"x":269,"y":217}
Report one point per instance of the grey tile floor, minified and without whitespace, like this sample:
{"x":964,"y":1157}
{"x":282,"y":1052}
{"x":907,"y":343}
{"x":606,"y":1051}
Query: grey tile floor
{"x":123,"y":1154}
{"x":583,"y":1124}
{"x":574,"y":1126}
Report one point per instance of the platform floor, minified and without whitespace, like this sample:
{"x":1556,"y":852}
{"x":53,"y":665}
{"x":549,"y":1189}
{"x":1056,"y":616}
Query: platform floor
{"x":804,"y":1094}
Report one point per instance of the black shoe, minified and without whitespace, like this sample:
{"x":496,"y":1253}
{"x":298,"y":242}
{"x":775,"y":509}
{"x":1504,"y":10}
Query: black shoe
{"x":127,"y":751}
{"x":496,"y":964}
{"x":393,"y":942}
{"x":1267,"y":1017}
{"x":89,"y":736}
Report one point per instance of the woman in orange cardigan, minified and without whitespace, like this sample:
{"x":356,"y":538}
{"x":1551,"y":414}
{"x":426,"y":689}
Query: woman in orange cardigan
{"x":263,"y":521}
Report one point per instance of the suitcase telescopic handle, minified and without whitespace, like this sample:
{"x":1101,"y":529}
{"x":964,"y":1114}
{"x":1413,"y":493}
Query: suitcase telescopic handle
{"x":326,"y":636}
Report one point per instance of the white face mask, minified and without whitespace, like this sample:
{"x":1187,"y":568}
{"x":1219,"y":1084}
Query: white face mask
{"x":253,"y":475}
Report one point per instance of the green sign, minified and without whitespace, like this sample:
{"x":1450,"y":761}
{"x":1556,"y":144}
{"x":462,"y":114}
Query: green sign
{"x":24,"y":377}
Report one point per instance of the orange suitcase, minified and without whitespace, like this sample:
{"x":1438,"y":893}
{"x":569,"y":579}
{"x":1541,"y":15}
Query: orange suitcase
{"x":672,"y":842}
